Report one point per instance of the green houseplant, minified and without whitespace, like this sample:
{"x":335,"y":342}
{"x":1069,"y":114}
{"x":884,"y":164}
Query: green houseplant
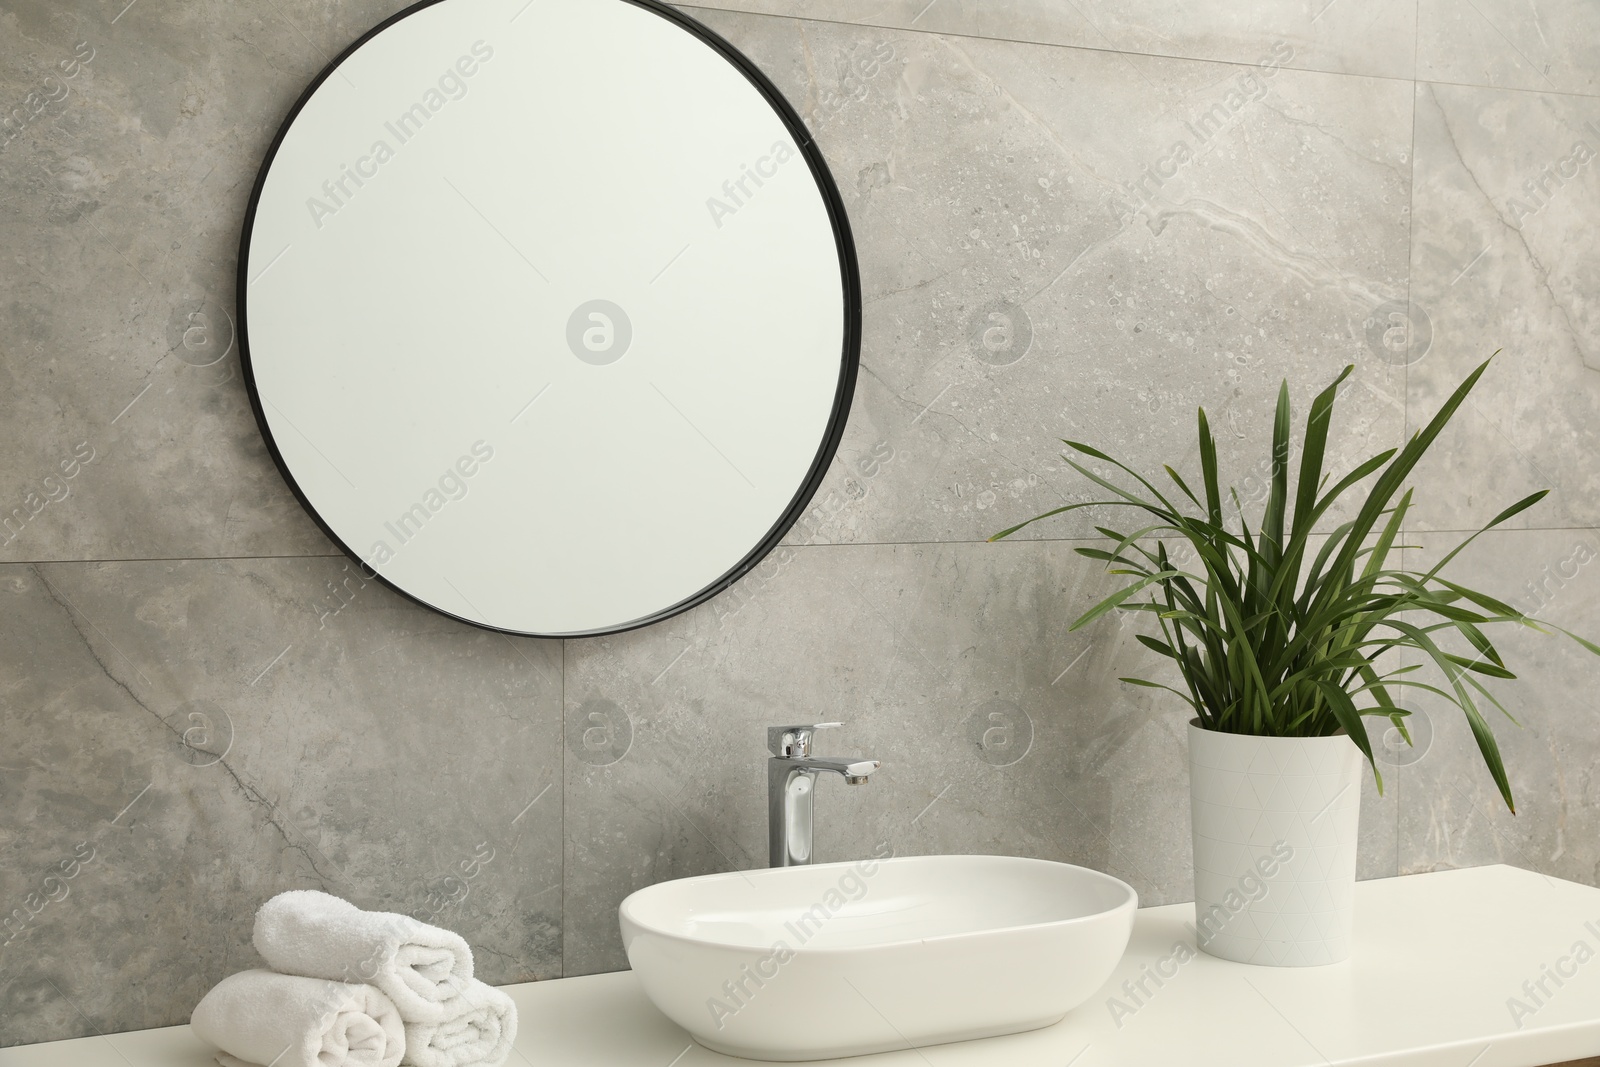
{"x":1277,"y":641}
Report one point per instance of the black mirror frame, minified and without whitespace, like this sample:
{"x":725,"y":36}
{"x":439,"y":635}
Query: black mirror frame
{"x":850,"y":356}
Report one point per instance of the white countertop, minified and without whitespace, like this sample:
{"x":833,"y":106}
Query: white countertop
{"x":1437,"y":958}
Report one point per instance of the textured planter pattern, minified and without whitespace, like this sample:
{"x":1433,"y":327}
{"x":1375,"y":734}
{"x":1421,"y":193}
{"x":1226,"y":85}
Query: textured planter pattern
{"x":1275,"y":821}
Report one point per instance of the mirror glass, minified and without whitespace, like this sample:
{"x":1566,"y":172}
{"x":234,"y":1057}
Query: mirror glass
{"x":550,"y":311}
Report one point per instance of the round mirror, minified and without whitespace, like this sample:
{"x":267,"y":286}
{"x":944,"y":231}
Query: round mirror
{"x":548,"y":311}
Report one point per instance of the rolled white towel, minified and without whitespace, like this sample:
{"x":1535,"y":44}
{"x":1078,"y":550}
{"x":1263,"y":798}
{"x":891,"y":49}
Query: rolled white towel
{"x":481,"y":1036}
{"x":260,"y":1017}
{"x":419,"y":967}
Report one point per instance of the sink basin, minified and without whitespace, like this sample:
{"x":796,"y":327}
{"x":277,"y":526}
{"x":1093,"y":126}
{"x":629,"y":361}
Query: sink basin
{"x":843,"y":959}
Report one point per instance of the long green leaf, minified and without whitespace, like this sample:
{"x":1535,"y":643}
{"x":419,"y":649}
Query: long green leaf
{"x":1268,"y":644}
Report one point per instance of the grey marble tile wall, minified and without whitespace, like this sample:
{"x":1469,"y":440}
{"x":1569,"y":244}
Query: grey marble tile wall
{"x":192,"y":736}
{"x":1451,"y":814}
{"x":1074,"y":220}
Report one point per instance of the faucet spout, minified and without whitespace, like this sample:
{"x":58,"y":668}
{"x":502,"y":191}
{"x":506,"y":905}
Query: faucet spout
{"x":852,"y":768}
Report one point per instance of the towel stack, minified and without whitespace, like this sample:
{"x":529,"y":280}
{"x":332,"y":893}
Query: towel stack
{"x":353,"y":988}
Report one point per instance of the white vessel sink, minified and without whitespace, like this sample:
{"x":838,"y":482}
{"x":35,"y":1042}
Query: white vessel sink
{"x":842,"y":959}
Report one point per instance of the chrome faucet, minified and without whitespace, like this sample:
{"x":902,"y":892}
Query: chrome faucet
{"x":791,"y":779}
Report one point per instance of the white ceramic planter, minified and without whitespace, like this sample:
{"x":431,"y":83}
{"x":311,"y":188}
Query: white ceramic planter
{"x":1275,"y":821}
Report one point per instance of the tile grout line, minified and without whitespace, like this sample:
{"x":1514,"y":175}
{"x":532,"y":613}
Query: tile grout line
{"x":1401,"y":78}
{"x":1413,"y":532}
{"x":1405,"y":398}
{"x":169,"y":559}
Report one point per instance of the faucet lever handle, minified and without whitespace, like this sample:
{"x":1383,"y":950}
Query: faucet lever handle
{"x":792,"y":741}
